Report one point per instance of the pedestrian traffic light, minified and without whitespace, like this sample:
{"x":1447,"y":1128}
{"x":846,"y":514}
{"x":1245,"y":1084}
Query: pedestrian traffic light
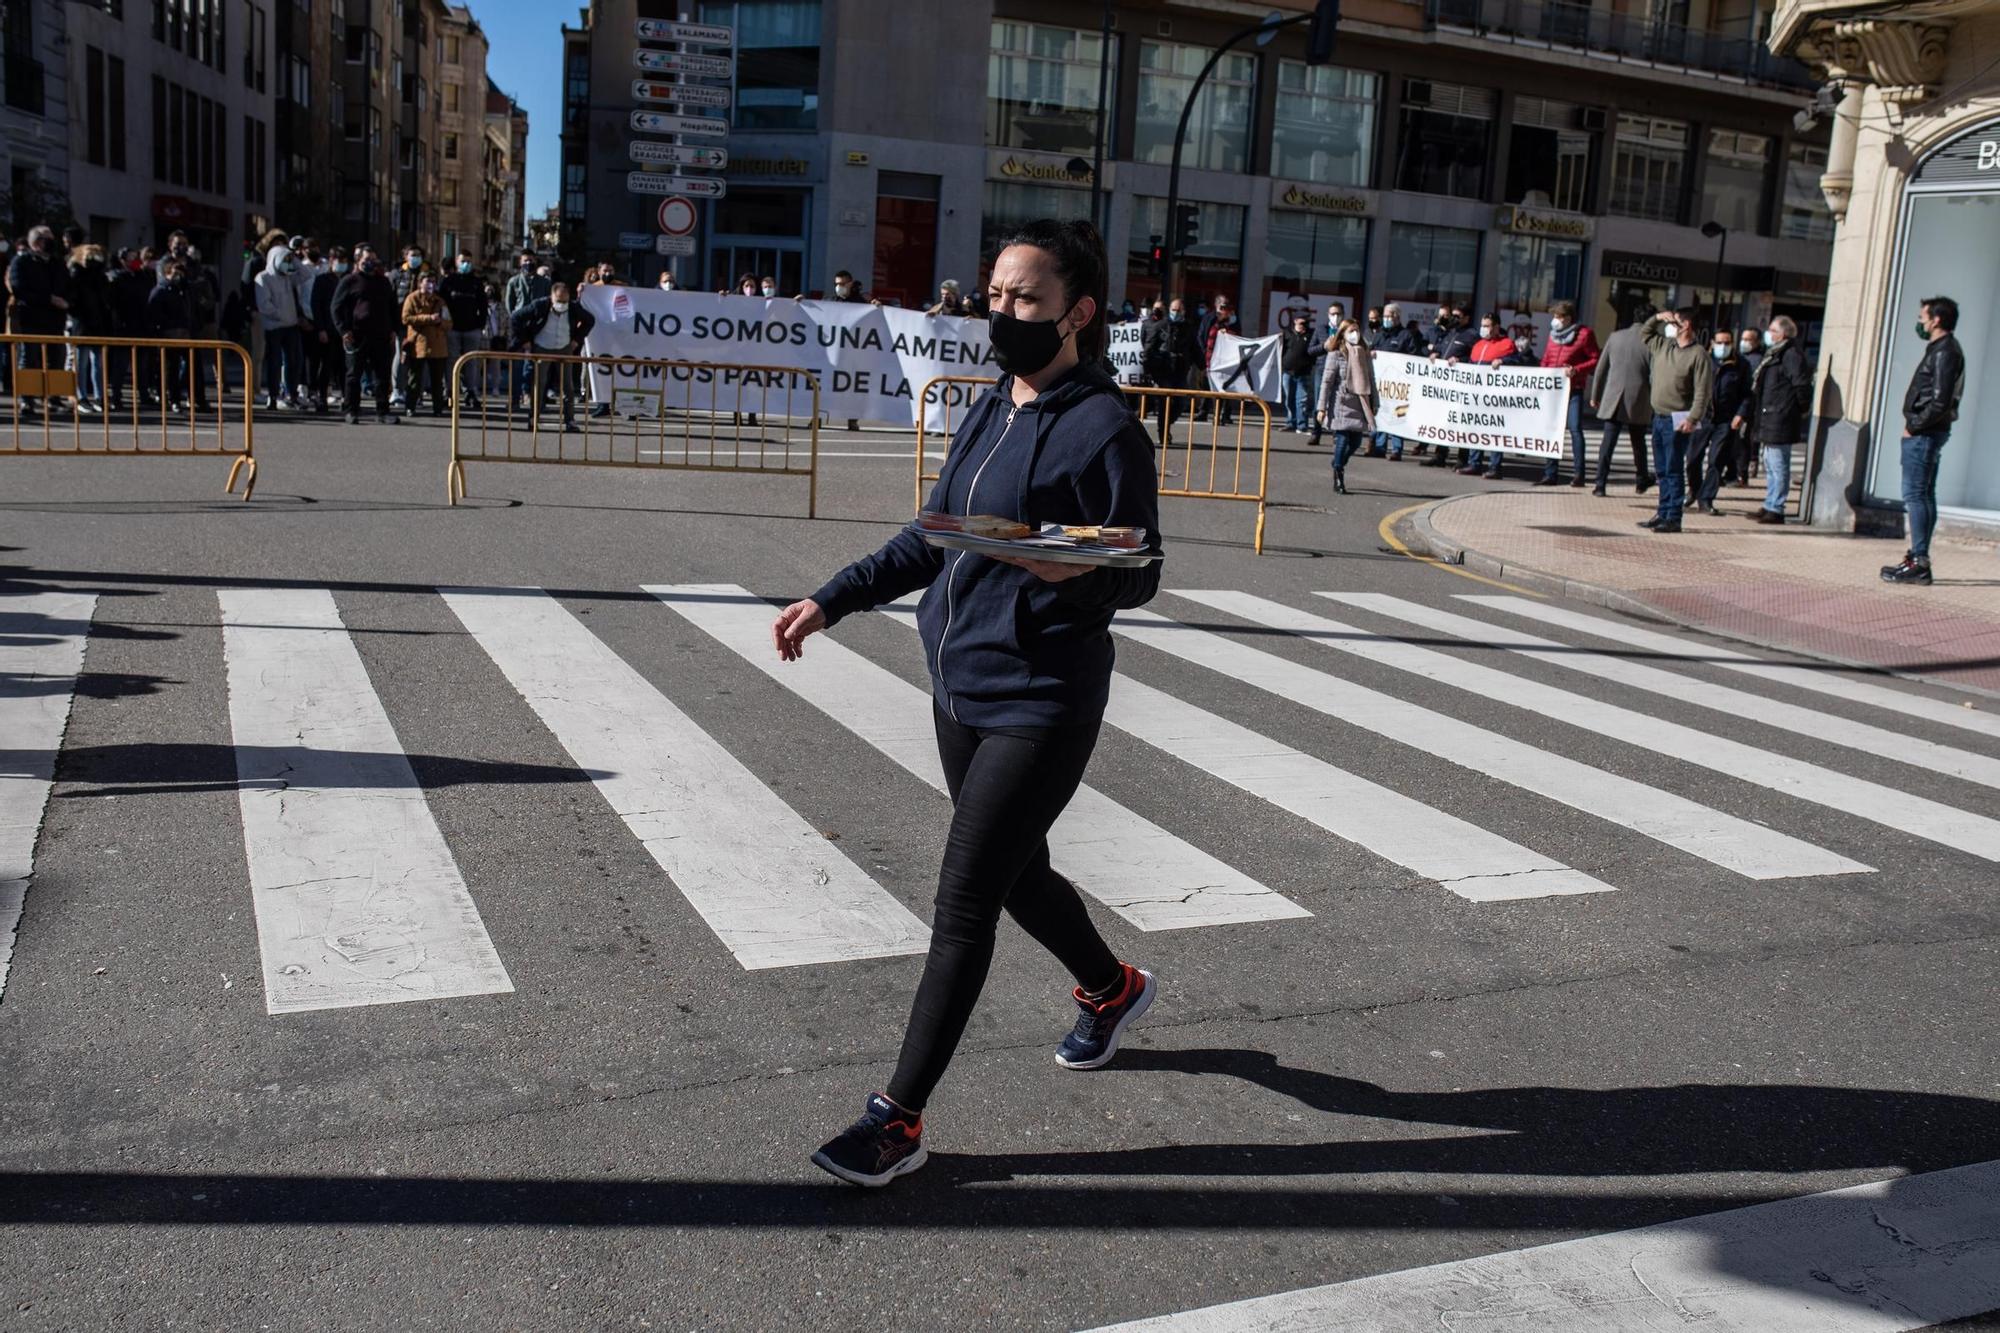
{"x":1187,"y":234}
{"x":1319,"y":45}
{"x":1159,"y":258}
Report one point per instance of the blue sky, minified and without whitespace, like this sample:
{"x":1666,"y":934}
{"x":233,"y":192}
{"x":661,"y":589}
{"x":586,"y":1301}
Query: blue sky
{"x":525,"y":61}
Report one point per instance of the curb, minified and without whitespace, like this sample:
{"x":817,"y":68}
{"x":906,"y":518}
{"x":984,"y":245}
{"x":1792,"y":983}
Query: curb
{"x":1444,"y":549}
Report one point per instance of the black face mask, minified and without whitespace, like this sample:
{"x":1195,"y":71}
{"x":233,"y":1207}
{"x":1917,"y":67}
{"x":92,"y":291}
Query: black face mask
{"x":1024,"y":346}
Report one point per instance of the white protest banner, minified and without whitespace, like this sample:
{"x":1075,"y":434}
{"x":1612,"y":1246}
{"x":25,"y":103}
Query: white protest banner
{"x":1512,"y":409}
{"x":872,"y":361}
{"x":1122,"y":347}
{"x":1246,"y":365}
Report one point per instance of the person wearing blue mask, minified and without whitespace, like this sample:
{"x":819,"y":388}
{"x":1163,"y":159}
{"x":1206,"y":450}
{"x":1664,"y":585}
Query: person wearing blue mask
{"x":464,"y":292}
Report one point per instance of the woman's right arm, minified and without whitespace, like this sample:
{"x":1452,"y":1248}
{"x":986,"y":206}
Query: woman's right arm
{"x":905,"y":563}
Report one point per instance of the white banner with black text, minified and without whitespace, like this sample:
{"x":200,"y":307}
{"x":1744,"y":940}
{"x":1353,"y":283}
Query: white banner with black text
{"x":1511,"y":409}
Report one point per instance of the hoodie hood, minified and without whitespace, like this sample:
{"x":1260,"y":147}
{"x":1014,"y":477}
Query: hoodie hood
{"x":274,"y":262}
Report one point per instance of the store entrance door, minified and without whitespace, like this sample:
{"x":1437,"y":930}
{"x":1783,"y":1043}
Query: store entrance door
{"x":906,"y":226}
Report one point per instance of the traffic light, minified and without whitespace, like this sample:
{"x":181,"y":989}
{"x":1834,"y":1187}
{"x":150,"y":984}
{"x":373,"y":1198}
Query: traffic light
{"x":1319,"y":45}
{"x":1159,"y":260}
{"x":1187,"y":233}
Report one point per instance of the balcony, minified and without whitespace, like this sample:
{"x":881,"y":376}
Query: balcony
{"x":24,"y":84}
{"x":1577,"y":25}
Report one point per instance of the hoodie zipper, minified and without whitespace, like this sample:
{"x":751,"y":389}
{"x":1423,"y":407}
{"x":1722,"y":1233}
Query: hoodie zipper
{"x":951,"y":578}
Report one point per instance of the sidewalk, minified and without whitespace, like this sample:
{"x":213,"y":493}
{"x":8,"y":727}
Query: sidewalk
{"x":1789,"y":588}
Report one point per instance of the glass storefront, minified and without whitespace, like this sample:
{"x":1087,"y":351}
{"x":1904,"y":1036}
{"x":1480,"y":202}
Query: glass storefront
{"x":1446,"y":137}
{"x":1732,"y":191}
{"x":1215,"y":265}
{"x":1218,"y":135}
{"x":1804,"y":215}
{"x":777,"y":61}
{"x":1432,"y":264}
{"x":1536,"y":271}
{"x":1008,"y":204}
{"x":1041,"y":88}
{"x":1947,"y":250}
{"x":1308,"y":253}
{"x":1324,"y":128}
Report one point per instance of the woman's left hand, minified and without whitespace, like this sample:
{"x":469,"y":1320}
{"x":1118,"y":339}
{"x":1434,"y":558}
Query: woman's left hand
{"x":1048,"y":571}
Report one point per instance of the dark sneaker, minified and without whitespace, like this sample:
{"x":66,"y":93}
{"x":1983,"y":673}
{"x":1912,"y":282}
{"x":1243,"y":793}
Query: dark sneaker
{"x":1652,"y":522}
{"x":1094,"y":1039}
{"x":1666,"y":529}
{"x":884,"y":1143}
{"x":1910,"y":571}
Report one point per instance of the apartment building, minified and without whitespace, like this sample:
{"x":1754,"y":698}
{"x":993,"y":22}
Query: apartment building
{"x":504,"y":212}
{"x":34,"y":110}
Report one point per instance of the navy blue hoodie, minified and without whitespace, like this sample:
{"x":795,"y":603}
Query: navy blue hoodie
{"x":1005,"y":648}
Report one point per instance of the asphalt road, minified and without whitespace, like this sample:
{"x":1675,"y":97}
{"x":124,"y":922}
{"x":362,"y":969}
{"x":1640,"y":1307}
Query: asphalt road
{"x":1404,"y":1077}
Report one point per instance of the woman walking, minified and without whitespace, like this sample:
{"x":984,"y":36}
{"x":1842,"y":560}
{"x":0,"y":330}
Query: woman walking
{"x":1020,"y":658}
{"x":1347,"y":395}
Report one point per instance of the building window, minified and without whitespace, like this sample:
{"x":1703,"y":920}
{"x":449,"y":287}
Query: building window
{"x":1550,"y":151}
{"x":1214,"y":267}
{"x":297,"y":88}
{"x":451,"y":147}
{"x":1732,"y":190}
{"x":254,"y":42}
{"x":576,"y":91}
{"x":1649,"y":168}
{"x":448,"y":196}
{"x":1447,"y":135}
{"x":1805,"y":216}
{"x":114,"y":103}
{"x":1536,"y":271}
{"x":1008,"y":204}
{"x":450,"y":97}
{"x":777,"y":61}
{"x":1041,"y":88}
{"x":1324,"y":129}
{"x":1429,"y":265}
{"x":255,"y":156}
{"x":93,"y":92}
{"x":1311,"y":254}
{"x":1218,"y":137}
{"x":451,"y":49}
{"x":160,"y":140}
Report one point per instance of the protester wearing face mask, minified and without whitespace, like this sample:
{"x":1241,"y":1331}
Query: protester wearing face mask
{"x":37,"y":286}
{"x":427,"y":326}
{"x":131,"y":283}
{"x":403,"y":281}
{"x":1681,"y":372}
{"x":1457,"y":335}
{"x":667,"y":281}
{"x":170,"y":316}
{"x":1572,"y":349}
{"x":323,"y":350}
{"x":1221,"y":319}
{"x":464,"y":293}
{"x":365,"y":314}
{"x":277,"y":295}
{"x":1296,"y":361}
{"x":1710,"y":449}
{"x":554,"y":326}
{"x":1772,"y":417}
{"x":746,"y":285}
{"x":1347,"y":397}
{"x":1167,"y":351}
{"x":1494,"y":348}
{"x":1052,"y":441}
{"x":1623,"y":400}
{"x":948,"y":302}
{"x":1404,"y":340}
{"x":526,"y":287}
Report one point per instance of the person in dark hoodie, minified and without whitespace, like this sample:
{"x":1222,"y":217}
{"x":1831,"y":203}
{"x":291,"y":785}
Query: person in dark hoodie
{"x":323,"y":350}
{"x":131,"y":283}
{"x":364,"y":315}
{"x":1020,"y":658}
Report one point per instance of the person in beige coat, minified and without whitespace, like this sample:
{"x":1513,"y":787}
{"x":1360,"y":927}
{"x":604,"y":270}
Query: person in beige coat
{"x":1347,"y":397}
{"x":427,"y":341}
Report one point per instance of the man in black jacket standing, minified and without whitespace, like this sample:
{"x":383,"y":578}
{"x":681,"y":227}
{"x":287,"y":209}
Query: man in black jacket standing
{"x":36,"y":287}
{"x":323,"y":349}
{"x":1773,"y":414}
{"x":365,"y":314}
{"x":464,"y":292}
{"x":554,"y":326}
{"x":1929,"y":408}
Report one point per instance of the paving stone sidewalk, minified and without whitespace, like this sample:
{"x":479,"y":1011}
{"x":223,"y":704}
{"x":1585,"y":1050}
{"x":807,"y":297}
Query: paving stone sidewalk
{"x":1792,"y":588}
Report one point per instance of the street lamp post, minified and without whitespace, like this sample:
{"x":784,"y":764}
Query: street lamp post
{"x":1718,"y":233}
{"x":1103,"y":84}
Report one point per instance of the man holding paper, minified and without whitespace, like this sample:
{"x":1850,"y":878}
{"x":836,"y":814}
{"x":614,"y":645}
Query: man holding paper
{"x":1683,"y":385}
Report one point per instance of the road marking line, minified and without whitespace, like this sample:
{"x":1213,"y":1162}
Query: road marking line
{"x":772,"y":888}
{"x":357,"y":897}
{"x":1386,"y":530}
{"x":42,"y":638}
{"x":1945,"y":712}
{"x":1879,"y":741}
{"x":1472,"y":862}
{"x":1721,"y":839}
{"x":1877,"y":1258}
{"x":1139,"y":870}
{"x":1851,"y":796}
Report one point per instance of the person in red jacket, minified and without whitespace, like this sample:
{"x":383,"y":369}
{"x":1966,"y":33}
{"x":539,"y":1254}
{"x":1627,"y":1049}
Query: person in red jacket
{"x":1495,"y":345}
{"x":1572,"y":347}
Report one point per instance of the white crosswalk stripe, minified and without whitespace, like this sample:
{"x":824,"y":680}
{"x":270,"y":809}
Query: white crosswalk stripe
{"x":1877,"y":1258}
{"x":1947,"y":712}
{"x":41,"y":655}
{"x":1821,"y":725}
{"x":1858,"y":797}
{"x":1139,"y":870}
{"x":358,"y":900}
{"x":1722,"y":839}
{"x":772,"y":888}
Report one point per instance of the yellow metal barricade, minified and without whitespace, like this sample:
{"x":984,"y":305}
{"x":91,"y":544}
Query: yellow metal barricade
{"x":1233,"y":462}
{"x":183,"y":422}
{"x":674,"y":416}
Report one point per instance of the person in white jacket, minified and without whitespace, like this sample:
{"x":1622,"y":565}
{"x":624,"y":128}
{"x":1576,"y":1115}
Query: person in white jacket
{"x":284,"y":342}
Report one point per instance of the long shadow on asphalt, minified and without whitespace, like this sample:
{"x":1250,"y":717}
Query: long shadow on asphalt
{"x":146,"y":768}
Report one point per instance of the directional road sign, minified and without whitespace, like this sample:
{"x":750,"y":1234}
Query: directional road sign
{"x":663,"y":122}
{"x":676,"y":217}
{"x":673,"y":245}
{"x":653,"y":182}
{"x":634,"y":240}
{"x":687,"y":94}
{"x":673,"y":155}
{"x":686,"y":64}
{"x":697,"y":34}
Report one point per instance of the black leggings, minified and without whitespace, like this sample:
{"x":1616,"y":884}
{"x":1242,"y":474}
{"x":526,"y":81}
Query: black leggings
{"x":1007,"y":787}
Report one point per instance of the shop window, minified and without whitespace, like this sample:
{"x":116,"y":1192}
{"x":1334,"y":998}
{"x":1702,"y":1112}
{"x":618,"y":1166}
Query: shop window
{"x":1550,"y":152}
{"x":1008,"y":204}
{"x":1447,"y":137}
{"x":1218,"y":135}
{"x":1432,"y":264}
{"x":754,"y":212}
{"x":1649,"y":168}
{"x":1041,"y":89}
{"x":1536,"y":271}
{"x":777,"y":61}
{"x":1732,"y":190}
{"x":1323,"y":130}
{"x":1805,"y":216}
{"x":1214,"y":266}
{"x":1310,"y":254}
